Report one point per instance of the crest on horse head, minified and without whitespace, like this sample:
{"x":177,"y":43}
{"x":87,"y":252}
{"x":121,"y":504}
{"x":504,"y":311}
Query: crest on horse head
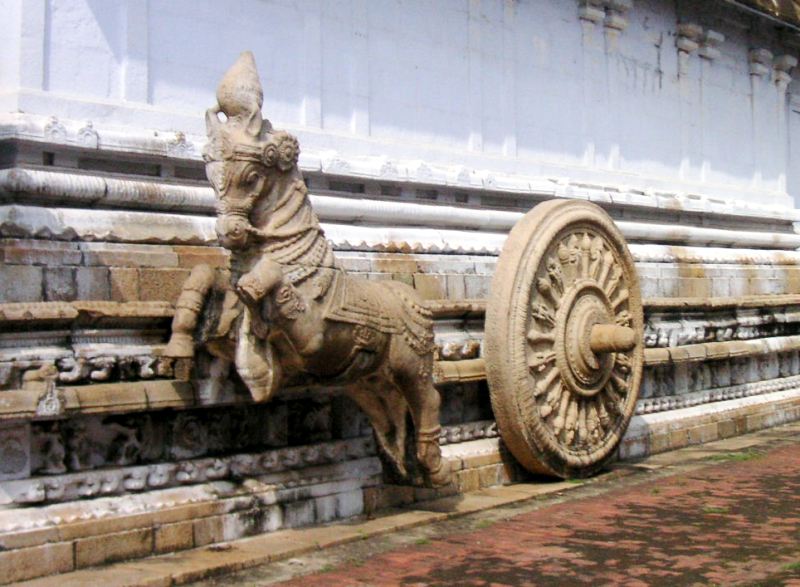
{"x":244,"y":134}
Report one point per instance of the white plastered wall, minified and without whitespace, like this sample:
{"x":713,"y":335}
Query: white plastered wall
{"x":513,"y":86}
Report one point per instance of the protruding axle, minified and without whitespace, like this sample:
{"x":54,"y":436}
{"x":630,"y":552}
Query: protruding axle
{"x":610,"y":338}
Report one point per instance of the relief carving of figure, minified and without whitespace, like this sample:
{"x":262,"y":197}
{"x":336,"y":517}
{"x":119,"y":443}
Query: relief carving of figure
{"x":287,"y":310}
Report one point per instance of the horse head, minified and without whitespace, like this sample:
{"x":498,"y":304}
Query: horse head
{"x":245,"y":158}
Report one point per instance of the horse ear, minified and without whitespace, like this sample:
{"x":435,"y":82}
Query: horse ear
{"x":212,"y":121}
{"x":253,"y":126}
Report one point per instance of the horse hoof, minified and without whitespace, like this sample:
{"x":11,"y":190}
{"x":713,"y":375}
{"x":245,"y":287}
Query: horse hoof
{"x":441,"y":476}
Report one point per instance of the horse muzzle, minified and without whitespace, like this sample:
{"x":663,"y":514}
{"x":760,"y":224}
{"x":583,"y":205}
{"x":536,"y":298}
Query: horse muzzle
{"x":233,"y":231}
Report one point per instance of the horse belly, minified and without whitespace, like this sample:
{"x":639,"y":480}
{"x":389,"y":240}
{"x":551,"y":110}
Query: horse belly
{"x":346,"y":351}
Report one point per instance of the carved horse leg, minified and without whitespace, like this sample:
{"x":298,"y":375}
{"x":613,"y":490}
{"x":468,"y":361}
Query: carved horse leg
{"x":187,"y":309}
{"x":386,"y":409}
{"x":413,"y":377}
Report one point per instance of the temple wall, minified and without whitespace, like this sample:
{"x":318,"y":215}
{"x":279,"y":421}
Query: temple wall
{"x":505,"y":86}
{"x":427,"y":129}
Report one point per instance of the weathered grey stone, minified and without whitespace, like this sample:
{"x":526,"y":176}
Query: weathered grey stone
{"x":124,"y":284}
{"x":476,"y":286}
{"x":350,"y":503}
{"x":128,"y":255}
{"x":15,"y":451}
{"x":92,"y":283}
{"x":37,"y":252}
{"x":21,"y":283}
{"x":299,"y":513}
{"x":325,"y":508}
{"x":59,"y":284}
{"x":456,"y":287}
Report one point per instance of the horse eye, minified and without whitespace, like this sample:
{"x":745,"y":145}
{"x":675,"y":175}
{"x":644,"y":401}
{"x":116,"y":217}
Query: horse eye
{"x":249,"y":178}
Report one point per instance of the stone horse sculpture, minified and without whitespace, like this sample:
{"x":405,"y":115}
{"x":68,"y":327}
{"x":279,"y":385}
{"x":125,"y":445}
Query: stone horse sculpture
{"x":289,"y":309}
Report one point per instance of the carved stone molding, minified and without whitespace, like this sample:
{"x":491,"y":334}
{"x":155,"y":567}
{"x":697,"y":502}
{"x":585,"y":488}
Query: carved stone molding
{"x":710,"y":44}
{"x":695,"y":398}
{"x":88,"y":136}
{"x":783,"y":66}
{"x":184,"y":470}
{"x":55,"y":131}
{"x":689,"y":39}
{"x":131,"y":144}
{"x":610,"y":13}
{"x":117,"y":481}
{"x":164,"y":195}
{"x":761,"y":62}
{"x":693,"y":38}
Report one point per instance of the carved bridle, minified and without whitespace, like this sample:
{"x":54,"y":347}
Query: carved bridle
{"x":277,"y":152}
{"x":243,"y":136}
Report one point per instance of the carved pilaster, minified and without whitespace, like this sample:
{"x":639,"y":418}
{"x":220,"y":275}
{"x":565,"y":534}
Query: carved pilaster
{"x":709,"y":46}
{"x":591,"y":12}
{"x":760,"y":62}
{"x":615,"y":21}
{"x":689,"y":40}
{"x":783,"y":66}
{"x":611,"y":13}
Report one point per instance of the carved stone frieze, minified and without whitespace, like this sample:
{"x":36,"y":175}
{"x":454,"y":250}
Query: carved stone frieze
{"x":119,"y":480}
{"x":469,"y":431}
{"x":103,"y":368}
{"x":677,"y":328}
{"x":54,"y":131}
{"x":675,"y":402}
{"x":88,"y":136}
{"x":87,"y":481}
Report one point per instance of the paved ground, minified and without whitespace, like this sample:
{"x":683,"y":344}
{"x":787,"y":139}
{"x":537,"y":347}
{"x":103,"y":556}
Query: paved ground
{"x":728,"y":515}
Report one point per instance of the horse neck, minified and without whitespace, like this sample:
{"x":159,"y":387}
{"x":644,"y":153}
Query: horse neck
{"x":292,"y":234}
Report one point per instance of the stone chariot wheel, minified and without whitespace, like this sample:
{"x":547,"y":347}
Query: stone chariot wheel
{"x":563,"y":340}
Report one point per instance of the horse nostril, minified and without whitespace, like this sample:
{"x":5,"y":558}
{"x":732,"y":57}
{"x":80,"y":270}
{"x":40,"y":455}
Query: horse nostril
{"x":232,"y":232}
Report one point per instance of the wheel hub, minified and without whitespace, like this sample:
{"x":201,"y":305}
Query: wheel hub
{"x":583,"y":371}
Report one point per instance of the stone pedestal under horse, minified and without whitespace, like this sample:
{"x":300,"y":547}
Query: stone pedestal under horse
{"x":288,"y":309}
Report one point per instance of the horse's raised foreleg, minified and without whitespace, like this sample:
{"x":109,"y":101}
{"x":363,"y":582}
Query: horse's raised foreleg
{"x":187,"y":310}
{"x":255,"y":361}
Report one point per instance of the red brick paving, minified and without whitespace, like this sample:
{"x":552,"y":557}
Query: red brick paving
{"x":736,"y":522}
